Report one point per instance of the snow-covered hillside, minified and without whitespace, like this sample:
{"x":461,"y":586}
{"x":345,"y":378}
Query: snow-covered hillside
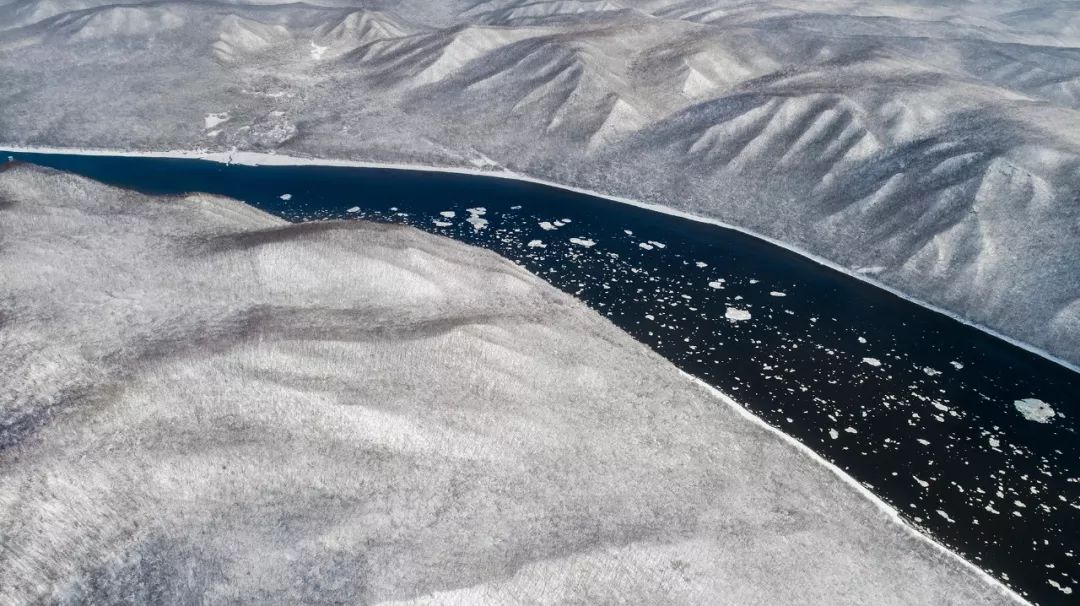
{"x":205,"y":404}
{"x":937,"y":143}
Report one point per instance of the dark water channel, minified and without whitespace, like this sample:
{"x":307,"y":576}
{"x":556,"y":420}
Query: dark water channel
{"x":950,"y":425}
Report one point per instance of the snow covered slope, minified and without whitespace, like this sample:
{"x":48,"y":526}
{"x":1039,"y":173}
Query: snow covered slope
{"x":937,"y":143}
{"x":204,"y":404}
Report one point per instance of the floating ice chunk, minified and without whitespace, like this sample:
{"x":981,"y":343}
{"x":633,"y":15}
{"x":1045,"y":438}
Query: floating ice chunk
{"x":657,"y":244}
{"x":449,"y":214}
{"x":285,"y":196}
{"x":1059,"y":587}
{"x":1035,"y":410}
{"x":212,"y":120}
{"x":862,"y":340}
{"x":956,"y":365}
{"x":537,"y":244}
{"x":850,"y":430}
{"x":717,"y":284}
{"x":945,"y":515}
{"x":736,"y":315}
{"x":354,"y":209}
{"x":777,"y":293}
{"x":564,"y":220}
{"x":477,"y":221}
{"x":516,"y":207}
{"x":994,"y":443}
{"x":646,"y":246}
{"x":439,"y":223}
{"x":583,"y":242}
{"x":701,"y":264}
{"x":834,"y":434}
{"x":628,"y":232}
{"x":922,"y":441}
{"x":872,"y":361}
{"x":753,"y":281}
{"x":547,"y":226}
{"x":921,"y":482}
{"x":930,"y":371}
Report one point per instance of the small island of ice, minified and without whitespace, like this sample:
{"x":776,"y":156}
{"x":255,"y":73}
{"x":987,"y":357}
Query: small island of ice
{"x":1035,"y":410}
{"x":736,"y":315}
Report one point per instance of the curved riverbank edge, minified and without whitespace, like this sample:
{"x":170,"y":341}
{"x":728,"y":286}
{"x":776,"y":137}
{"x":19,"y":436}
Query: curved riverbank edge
{"x":266,"y":159}
{"x":866,"y":493}
{"x":248,"y":158}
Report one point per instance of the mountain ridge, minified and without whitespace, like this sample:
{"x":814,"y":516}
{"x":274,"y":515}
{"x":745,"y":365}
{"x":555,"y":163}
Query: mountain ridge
{"x":939,"y":142}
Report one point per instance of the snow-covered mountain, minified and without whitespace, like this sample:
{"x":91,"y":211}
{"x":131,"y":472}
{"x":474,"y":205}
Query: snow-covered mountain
{"x":204,"y":404}
{"x":934,"y":146}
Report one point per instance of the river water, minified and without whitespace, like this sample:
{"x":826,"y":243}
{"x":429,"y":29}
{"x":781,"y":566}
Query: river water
{"x":973,"y":440}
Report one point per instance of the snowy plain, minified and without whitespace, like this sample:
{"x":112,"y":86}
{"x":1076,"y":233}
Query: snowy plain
{"x":209,"y":402}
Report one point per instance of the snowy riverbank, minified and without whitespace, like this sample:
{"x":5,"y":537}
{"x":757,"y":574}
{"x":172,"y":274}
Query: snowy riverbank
{"x":247,"y":410}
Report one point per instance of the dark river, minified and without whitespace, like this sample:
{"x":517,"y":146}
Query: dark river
{"x":972,"y":439}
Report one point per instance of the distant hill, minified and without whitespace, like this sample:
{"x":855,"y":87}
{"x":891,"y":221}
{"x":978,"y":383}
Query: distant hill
{"x":933,"y":146}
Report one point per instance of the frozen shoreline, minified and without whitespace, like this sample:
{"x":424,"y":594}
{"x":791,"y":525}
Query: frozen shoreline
{"x":248,"y":158}
{"x":889,"y":510}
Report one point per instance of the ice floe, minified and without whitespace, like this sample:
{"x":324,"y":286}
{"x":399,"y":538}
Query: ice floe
{"x":1035,"y":410}
{"x":736,"y":315}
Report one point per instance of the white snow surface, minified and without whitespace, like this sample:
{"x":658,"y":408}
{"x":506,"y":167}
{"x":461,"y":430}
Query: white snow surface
{"x":813,"y":123}
{"x":212,"y":120}
{"x":204,"y":402}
